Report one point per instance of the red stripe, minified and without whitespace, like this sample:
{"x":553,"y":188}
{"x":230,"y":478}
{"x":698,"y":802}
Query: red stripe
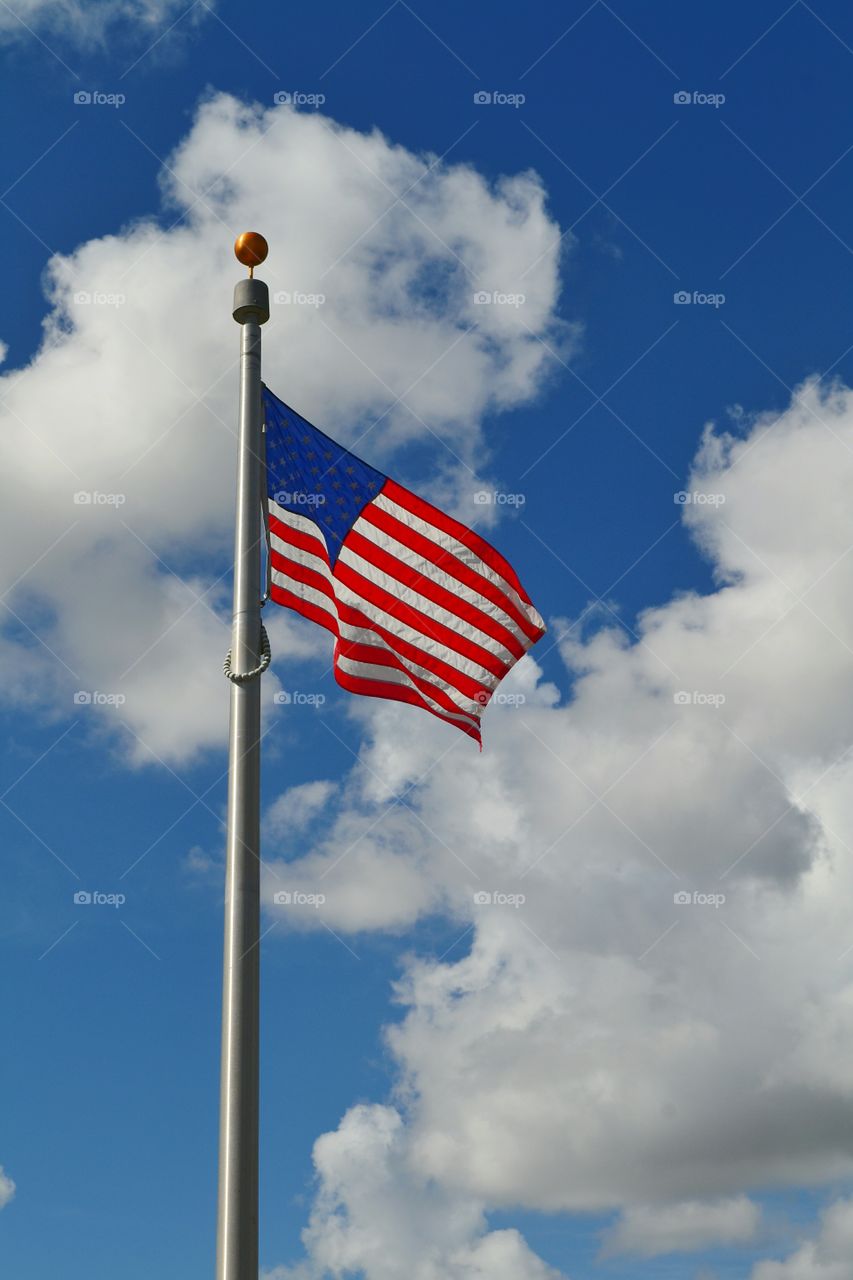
{"x":432,"y":515}
{"x":315,"y":578}
{"x":398,"y":648}
{"x":308,"y":610}
{"x":442,"y":670}
{"x":404,"y":573}
{"x":398,"y":693}
{"x":382,"y":657}
{"x":298,"y":538}
{"x":369,"y":653}
{"x":444,"y":559}
{"x":451,"y":675}
{"x":418,"y":620}
{"x":302,"y":573}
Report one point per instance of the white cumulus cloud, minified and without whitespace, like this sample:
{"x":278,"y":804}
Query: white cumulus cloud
{"x":827,"y":1257}
{"x":376,"y":1215}
{"x":295,"y":808}
{"x":650,"y":1230}
{"x":117,"y":442}
{"x":7,"y":1187}
{"x":86,"y":20}
{"x":652,"y":1001}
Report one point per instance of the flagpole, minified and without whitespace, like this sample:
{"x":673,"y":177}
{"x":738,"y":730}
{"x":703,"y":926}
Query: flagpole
{"x":237,"y":1220}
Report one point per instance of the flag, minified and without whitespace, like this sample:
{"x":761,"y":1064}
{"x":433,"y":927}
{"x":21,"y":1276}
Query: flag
{"x":423,"y":610}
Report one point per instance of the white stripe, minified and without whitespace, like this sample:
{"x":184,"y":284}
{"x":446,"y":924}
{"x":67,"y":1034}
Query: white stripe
{"x":367,"y":671}
{"x":429,"y":645}
{"x":313,"y":559}
{"x":420,"y":640}
{"x":302,"y":523}
{"x":432,"y":573}
{"x":415,"y":600}
{"x":318,"y":562}
{"x":364,"y":635}
{"x":301,"y":589}
{"x":446,"y":542}
{"x":361,"y":635}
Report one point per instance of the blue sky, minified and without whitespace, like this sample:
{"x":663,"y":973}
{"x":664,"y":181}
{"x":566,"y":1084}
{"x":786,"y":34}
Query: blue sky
{"x":110,"y":1073}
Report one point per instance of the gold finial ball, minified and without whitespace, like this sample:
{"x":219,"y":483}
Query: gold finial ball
{"x":251,"y":248}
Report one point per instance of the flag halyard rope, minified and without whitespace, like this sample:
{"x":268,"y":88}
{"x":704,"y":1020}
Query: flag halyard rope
{"x":243,"y":677}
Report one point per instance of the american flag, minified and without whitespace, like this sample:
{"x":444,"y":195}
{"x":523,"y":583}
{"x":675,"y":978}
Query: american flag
{"x":423,"y":610}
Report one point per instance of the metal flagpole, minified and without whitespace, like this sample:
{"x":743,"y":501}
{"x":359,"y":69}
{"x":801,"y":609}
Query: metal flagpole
{"x":237,"y":1223}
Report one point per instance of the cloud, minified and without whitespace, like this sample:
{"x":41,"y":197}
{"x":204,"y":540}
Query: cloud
{"x":376,"y":1216}
{"x":650,"y":1230}
{"x":651,"y":999}
{"x":594,"y":1040}
{"x":117,"y":440}
{"x":296,"y":807}
{"x":827,"y":1257}
{"x":87,"y":20}
{"x":7,"y":1188}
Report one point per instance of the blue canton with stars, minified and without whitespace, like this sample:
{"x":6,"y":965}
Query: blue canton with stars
{"x":311,"y":475}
